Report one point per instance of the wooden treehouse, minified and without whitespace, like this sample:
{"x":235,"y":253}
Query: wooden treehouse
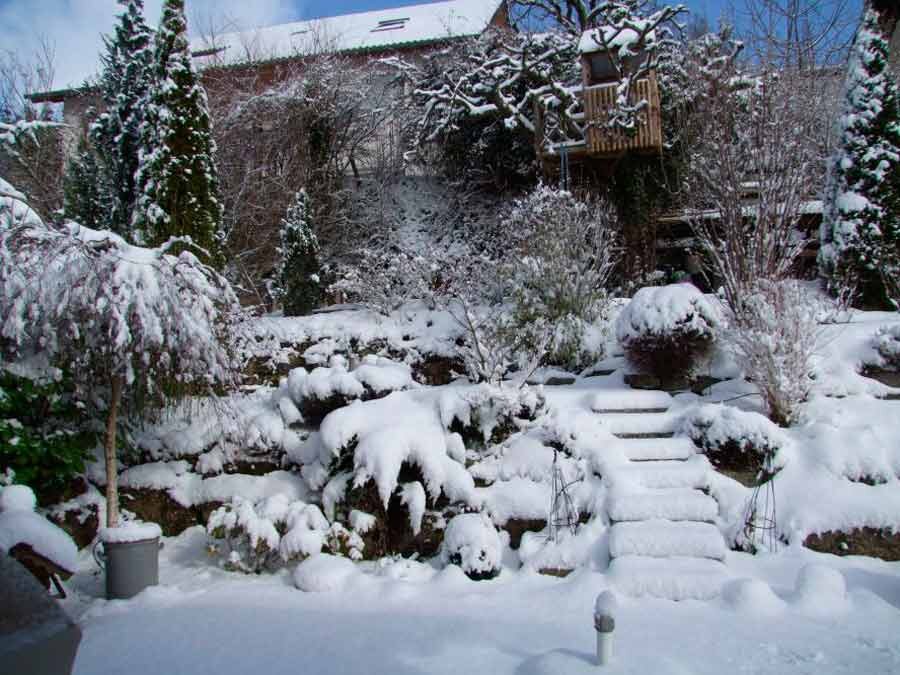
{"x":602,"y":144}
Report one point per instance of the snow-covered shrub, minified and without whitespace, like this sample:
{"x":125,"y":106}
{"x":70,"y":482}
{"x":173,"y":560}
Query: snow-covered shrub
{"x":255,"y":537}
{"x":386,"y":467}
{"x":775,"y":342}
{"x":298,"y":274}
{"x":316,"y":393}
{"x":861,"y":225}
{"x":43,"y":436}
{"x":564,"y":252}
{"x":737,"y":440}
{"x":887,"y":343}
{"x":487,"y":414}
{"x":383,"y":279}
{"x":472,"y":542}
{"x":664,"y":330}
{"x":538,"y":300}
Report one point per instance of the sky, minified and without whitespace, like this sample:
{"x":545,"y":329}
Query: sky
{"x":74,"y":27}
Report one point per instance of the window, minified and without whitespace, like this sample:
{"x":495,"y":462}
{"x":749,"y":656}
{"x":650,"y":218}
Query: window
{"x":390,"y":24}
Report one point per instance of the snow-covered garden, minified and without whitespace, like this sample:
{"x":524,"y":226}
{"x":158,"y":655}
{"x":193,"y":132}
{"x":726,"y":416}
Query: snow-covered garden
{"x":477,"y":441}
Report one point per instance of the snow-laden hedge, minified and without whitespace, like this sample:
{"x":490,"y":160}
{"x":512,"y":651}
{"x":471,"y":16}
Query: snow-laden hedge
{"x":664,"y":329}
{"x":718,"y":428}
{"x":472,"y":542}
{"x":255,"y":536}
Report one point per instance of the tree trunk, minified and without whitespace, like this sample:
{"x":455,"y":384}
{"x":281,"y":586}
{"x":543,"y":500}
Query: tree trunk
{"x":112,"y":474}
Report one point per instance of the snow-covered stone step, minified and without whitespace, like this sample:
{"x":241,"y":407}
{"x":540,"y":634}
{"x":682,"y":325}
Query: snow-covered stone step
{"x":674,"y":504}
{"x":669,"y":578}
{"x":625,"y":424}
{"x":608,"y":365}
{"x":644,"y":449}
{"x":665,"y":539}
{"x":630,"y":401}
{"x":691,"y":473}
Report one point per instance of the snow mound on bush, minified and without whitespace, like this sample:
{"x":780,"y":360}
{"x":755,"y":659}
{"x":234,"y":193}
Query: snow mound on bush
{"x":323,"y":573}
{"x":403,"y":427}
{"x":664,"y":310}
{"x":253,"y":530}
{"x":376,"y":373}
{"x":715,"y":425}
{"x":19,"y":524}
{"x":752,"y":596}
{"x":820,"y":591}
{"x":472,"y":542}
{"x":486,"y":407}
{"x":17,"y":498}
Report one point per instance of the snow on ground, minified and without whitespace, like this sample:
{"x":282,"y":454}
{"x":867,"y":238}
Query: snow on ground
{"x":407,"y":617}
{"x":791,"y":611}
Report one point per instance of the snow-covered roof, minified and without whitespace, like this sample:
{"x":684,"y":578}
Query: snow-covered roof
{"x":364,"y":31}
{"x":625,"y":39}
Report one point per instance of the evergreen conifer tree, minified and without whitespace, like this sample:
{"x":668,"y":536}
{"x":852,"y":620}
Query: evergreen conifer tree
{"x":861,"y":226}
{"x":299,"y":285}
{"x":177,"y":178}
{"x":116,"y":132}
{"x":86,"y":192}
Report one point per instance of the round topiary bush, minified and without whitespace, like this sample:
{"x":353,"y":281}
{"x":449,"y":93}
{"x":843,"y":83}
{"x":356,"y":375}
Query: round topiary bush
{"x":472,"y":542}
{"x":665,"y":330}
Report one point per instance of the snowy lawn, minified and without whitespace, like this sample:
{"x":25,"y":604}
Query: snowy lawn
{"x":410,"y":618}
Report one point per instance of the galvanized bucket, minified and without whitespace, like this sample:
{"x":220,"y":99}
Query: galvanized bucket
{"x":130,"y":566}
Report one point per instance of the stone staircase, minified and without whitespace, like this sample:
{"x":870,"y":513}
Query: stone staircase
{"x":662,"y":541}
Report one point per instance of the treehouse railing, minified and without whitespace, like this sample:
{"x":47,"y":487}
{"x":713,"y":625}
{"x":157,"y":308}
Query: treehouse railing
{"x":603,"y":140}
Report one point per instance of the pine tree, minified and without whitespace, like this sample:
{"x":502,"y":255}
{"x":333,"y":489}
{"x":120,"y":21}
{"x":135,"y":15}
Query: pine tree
{"x":86,"y":192}
{"x":124,"y":85}
{"x":861,"y":228}
{"x":177,"y":178}
{"x":299,"y":282}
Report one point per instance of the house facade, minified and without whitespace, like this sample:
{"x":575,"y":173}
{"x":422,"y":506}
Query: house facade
{"x":266,"y":53}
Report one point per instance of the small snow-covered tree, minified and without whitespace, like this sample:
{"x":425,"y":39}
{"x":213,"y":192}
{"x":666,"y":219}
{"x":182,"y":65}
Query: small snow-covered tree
{"x":861,"y":226}
{"x":176,"y":178}
{"x":132,"y":326}
{"x":750,"y":169}
{"x":124,"y":84}
{"x":299,"y":280}
{"x":751,"y":141}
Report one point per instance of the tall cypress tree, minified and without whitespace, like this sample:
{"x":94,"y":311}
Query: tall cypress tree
{"x":177,"y":177}
{"x":298,"y":281}
{"x":86,"y":192}
{"x":124,"y":85}
{"x":861,"y":227}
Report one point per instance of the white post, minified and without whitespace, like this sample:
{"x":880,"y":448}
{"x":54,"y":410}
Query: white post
{"x":605,"y":624}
